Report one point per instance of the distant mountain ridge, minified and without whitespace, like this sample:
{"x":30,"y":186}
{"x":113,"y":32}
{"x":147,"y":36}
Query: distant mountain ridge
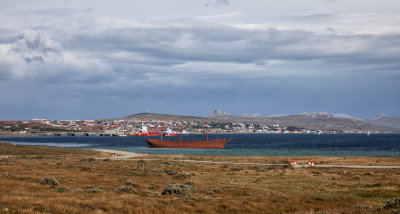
{"x":316,"y":114}
{"x":156,"y":116}
{"x":251,"y":115}
{"x":309,"y":120}
{"x":384,"y":120}
{"x":328,"y":121}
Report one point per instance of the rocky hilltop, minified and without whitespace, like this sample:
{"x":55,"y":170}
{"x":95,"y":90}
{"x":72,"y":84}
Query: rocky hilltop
{"x":218,"y":114}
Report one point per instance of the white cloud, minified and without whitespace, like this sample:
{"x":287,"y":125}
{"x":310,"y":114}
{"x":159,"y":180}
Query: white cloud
{"x":37,"y":47}
{"x":35,"y":55}
{"x":216,"y":3}
{"x":221,"y":16}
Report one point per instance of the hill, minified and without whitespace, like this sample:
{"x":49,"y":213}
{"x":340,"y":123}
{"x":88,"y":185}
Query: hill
{"x":327,"y":121}
{"x":156,"y":116}
{"x":384,"y":120}
{"x":313,"y":120}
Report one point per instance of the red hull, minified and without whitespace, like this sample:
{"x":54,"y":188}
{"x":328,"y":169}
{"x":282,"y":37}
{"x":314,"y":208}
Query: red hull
{"x":165,"y":134}
{"x":211,"y":144}
{"x":147,"y":134}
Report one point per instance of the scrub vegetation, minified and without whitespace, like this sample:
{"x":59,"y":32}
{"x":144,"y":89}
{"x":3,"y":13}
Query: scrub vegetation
{"x":57,"y":183}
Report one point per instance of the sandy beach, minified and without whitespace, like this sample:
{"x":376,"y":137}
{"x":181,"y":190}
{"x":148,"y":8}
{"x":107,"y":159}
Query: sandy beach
{"x":118,"y":154}
{"x":123,"y":155}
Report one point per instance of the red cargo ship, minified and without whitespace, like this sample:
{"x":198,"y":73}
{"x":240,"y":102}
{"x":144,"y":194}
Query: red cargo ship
{"x":143,"y":131}
{"x":211,"y":144}
{"x":201,"y":144}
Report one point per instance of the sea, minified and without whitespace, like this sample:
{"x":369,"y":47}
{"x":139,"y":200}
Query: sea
{"x":287,"y":145}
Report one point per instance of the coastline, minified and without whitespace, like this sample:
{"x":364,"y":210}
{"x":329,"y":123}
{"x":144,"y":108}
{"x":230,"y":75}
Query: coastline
{"x":77,"y":134}
{"x":285,"y":145}
{"x":125,"y":155}
{"x":119,"y":154}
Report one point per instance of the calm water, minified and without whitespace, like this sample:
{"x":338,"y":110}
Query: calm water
{"x":242,"y":144}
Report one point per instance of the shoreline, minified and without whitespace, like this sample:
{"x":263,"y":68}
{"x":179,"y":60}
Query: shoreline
{"x":125,"y":155}
{"x":272,"y":153}
{"x":79,"y":134}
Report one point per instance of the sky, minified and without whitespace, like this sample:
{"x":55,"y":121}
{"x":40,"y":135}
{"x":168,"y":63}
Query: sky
{"x":98,"y":59}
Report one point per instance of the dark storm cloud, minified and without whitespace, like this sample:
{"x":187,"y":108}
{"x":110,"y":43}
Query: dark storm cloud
{"x":96,"y":62}
{"x":133,"y":54}
{"x":222,"y":43}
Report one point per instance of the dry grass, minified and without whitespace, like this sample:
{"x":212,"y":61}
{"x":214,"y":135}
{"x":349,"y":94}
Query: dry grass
{"x":10,"y":149}
{"x":218,"y":188}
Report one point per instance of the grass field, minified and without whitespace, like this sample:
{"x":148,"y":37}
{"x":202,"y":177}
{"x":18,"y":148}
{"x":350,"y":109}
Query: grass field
{"x":90,"y":185}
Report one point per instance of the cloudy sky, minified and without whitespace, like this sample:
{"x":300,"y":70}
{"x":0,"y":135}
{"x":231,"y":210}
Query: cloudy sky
{"x":104,"y":59}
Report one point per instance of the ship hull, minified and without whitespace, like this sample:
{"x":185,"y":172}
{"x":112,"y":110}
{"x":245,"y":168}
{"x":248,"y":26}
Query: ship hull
{"x":147,"y":134}
{"x":168,"y":134}
{"x":211,"y":144}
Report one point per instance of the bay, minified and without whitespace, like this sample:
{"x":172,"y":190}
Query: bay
{"x":374,"y":145}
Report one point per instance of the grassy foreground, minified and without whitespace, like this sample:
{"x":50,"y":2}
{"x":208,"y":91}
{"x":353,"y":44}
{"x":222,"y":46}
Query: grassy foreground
{"x":78,"y":183}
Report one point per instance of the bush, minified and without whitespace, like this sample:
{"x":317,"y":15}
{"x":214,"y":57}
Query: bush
{"x":130,"y":183}
{"x":6,"y":174}
{"x":165,"y":163}
{"x":170,"y":172}
{"x":124,"y":179}
{"x":361,"y":206}
{"x":217,"y":190}
{"x":49,"y":181}
{"x":154,"y":186}
{"x":156,"y":171}
{"x":153,"y":194}
{"x":177,"y":190}
{"x":190,"y":183}
{"x":125,"y":189}
{"x":182,"y":175}
{"x":62,"y":189}
{"x":4,"y":159}
{"x":393,"y":203}
{"x":92,"y":189}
